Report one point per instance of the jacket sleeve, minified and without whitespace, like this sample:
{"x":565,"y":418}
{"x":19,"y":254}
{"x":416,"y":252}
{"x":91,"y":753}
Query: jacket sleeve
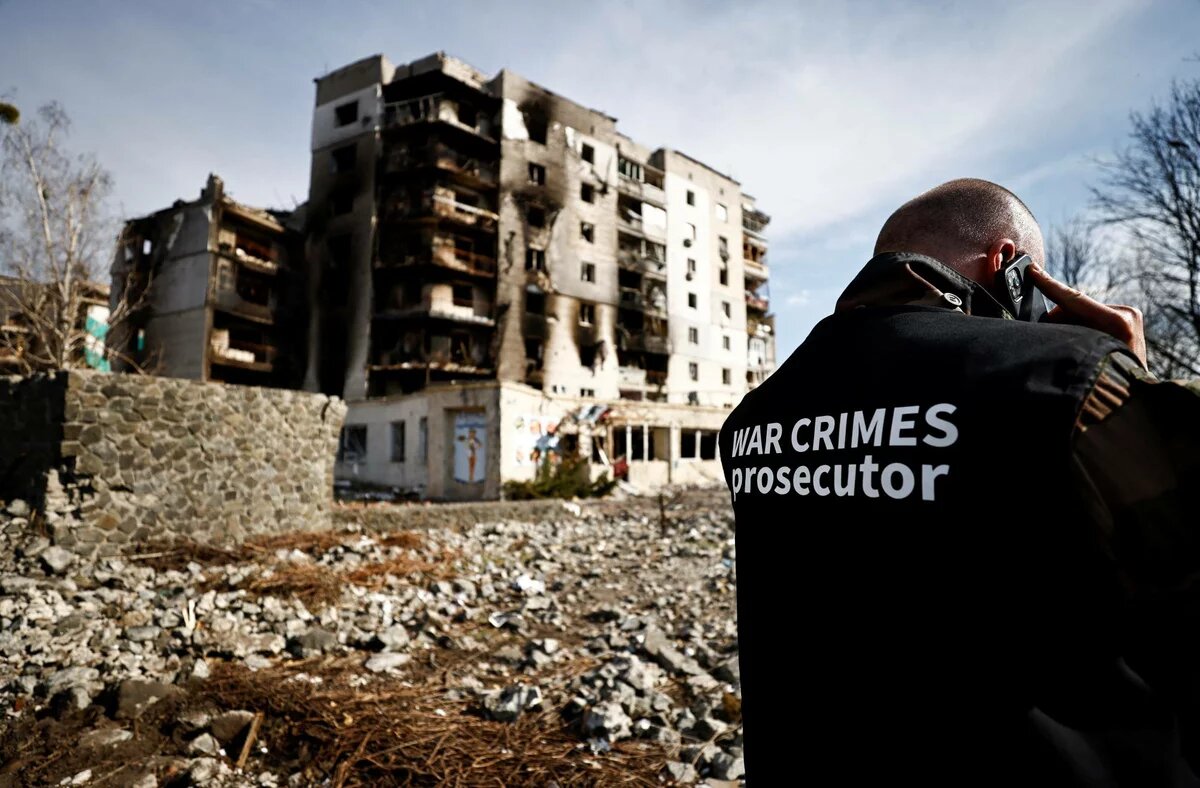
{"x":1137,"y":458}
{"x":1136,"y":454}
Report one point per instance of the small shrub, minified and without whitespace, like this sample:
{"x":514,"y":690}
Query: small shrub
{"x":566,"y":479}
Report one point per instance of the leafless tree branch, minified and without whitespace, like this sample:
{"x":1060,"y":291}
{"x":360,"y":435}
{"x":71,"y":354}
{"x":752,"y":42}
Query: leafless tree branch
{"x":1151,"y":191}
{"x":55,"y":236}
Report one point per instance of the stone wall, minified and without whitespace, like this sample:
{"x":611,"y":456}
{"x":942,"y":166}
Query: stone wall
{"x":137,"y":459}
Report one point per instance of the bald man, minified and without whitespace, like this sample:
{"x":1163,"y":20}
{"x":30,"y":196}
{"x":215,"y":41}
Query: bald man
{"x":965,"y":542}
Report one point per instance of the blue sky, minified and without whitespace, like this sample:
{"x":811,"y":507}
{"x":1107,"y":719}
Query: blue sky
{"x":830,"y":113}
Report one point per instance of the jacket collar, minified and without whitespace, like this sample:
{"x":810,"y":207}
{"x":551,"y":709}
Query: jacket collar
{"x":909,"y":279}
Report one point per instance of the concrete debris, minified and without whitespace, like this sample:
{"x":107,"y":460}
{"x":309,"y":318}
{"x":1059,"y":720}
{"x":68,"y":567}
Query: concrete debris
{"x":134,"y":696}
{"x":595,"y":616}
{"x":507,"y":704}
{"x":204,"y":744}
{"x":104,"y":737}
{"x":607,"y":721}
{"x":386,"y":661}
{"x":229,"y":726}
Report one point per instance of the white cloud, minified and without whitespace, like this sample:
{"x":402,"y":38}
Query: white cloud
{"x":800,"y":298}
{"x":824,"y":109}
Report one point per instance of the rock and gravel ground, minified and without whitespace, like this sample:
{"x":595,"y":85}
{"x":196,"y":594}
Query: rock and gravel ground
{"x":589,"y":643}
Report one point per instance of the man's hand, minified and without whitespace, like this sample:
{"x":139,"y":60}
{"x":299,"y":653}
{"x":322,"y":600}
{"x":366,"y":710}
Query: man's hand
{"x":1117,"y":320}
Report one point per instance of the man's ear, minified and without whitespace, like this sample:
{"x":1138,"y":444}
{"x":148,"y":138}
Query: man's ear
{"x":1000,"y":253}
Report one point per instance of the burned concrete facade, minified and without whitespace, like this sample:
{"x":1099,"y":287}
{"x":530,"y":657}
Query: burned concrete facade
{"x":475,"y":241}
{"x":760,"y":322}
{"x":214,"y":291}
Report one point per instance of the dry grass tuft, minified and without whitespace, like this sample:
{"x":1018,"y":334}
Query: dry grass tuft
{"x":409,"y":540}
{"x":315,"y":586}
{"x":391,"y":734}
{"x":311,"y":542}
{"x":318,"y":586}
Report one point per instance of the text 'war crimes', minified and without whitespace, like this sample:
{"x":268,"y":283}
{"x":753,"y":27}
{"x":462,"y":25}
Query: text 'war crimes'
{"x":908,"y":425}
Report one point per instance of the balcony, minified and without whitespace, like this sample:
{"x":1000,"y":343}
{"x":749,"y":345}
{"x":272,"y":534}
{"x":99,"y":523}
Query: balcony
{"x":760,"y":327}
{"x":243,"y":355}
{"x":756,"y":302}
{"x":457,"y":359}
{"x":647,"y":192}
{"x":642,"y":262}
{"x":430,"y":109}
{"x":754,"y":270}
{"x":456,"y":314}
{"x":631,"y":377}
{"x":255,"y":262}
{"x":649,"y":343}
{"x":436,"y":205}
{"x":754,"y":232}
{"x":471,"y":262}
{"x":450,"y":259}
{"x":632,"y":298}
{"x":654,"y":303}
{"x":444,"y":158}
{"x":449,"y":208}
{"x":636,"y":226}
{"x":754,"y":222}
{"x":229,"y":301}
{"x":751,"y":243}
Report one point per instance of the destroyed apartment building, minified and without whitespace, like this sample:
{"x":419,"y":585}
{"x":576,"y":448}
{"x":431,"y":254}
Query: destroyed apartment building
{"x":493,"y":275}
{"x":505,"y":274}
{"x":216,"y":290}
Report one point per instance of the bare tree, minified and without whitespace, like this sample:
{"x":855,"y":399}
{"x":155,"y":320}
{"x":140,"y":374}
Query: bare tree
{"x":1151,"y":191}
{"x":1076,"y":255}
{"x":55,"y":241}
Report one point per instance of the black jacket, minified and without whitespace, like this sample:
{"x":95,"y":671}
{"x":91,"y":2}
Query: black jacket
{"x":930,"y":585}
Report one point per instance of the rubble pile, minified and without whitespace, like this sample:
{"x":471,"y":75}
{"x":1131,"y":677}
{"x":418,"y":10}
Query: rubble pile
{"x":593,"y":645}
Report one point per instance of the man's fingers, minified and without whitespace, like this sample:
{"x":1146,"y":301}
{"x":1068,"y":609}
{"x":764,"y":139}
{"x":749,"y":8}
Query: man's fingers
{"x":1067,"y":297}
{"x":1079,"y":307}
{"x":1124,"y":323}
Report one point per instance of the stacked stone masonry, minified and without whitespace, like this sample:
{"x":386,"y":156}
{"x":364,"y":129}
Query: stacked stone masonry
{"x":114,"y":459}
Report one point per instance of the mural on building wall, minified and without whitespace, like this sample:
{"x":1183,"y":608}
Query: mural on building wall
{"x":534,"y":437}
{"x":470,"y":447}
{"x":537,"y":438}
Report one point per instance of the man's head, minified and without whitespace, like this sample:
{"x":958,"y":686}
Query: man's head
{"x":973,"y":226}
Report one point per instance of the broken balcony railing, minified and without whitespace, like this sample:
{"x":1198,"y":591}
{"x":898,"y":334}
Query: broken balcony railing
{"x":230,"y":301}
{"x":636,"y":224}
{"x":757,"y":302}
{"x":648,"y":343}
{"x":249,"y":355}
{"x":649,"y":263}
{"x":445,"y":158}
{"x":434,"y":108}
{"x":754,"y":269}
{"x":647,"y":192}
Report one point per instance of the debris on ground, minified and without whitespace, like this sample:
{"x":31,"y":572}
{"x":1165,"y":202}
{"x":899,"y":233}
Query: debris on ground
{"x":583,"y":645}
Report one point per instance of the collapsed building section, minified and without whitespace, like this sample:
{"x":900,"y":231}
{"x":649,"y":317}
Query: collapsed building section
{"x":486,"y":255}
{"x":212,"y":291}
